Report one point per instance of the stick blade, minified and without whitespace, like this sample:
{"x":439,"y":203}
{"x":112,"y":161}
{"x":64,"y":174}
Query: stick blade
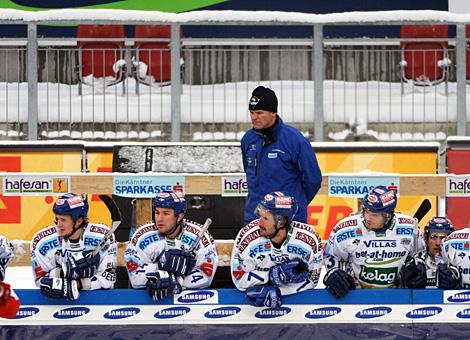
{"x":112,"y":207}
{"x":422,"y":210}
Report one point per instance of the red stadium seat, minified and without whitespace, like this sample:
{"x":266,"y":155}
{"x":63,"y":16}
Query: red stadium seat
{"x":424,"y":61}
{"x":101,"y":58}
{"x":152,"y":65}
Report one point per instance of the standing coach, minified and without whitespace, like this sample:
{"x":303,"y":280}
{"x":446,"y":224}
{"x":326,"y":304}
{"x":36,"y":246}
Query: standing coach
{"x":277,"y":157}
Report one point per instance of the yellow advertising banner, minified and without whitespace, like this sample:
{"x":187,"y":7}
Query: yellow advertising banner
{"x":21,"y":217}
{"x":324,"y":211}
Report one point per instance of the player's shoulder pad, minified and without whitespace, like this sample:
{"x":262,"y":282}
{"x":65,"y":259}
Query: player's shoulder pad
{"x":143,"y":230}
{"x":194,"y":228}
{"x":462,"y":234}
{"x":45,"y":233}
{"x":306,"y":233}
{"x":350,"y":221}
{"x":246,"y":229}
{"x":98,"y":229}
{"x":403,"y":219}
{"x":248,"y":236}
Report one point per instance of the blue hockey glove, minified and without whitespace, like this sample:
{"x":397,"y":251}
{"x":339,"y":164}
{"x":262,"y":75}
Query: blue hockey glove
{"x":176,"y":261}
{"x":414,"y":273}
{"x":338,"y":282}
{"x":294,"y":271}
{"x":447,"y":277}
{"x":59,"y":288}
{"x":162,"y":284}
{"x":80,"y":265}
{"x":267,"y":296}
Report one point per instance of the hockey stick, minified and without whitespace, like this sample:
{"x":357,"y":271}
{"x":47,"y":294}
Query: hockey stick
{"x":116,"y":218}
{"x":423,"y":209}
{"x":200,"y":235}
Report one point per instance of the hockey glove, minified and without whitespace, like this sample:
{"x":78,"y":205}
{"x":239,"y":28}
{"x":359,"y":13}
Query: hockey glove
{"x":447,"y":277}
{"x":59,"y":288}
{"x":80,"y":265}
{"x":5,"y":292}
{"x":294,"y":271}
{"x":414,"y":273}
{"x":264,"y":296}
{"x":176,"y":261}
{"x":161,"y":284}
{"x":338,"y":282}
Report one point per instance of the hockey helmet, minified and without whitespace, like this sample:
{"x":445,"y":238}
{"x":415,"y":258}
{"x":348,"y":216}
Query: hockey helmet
{"x":438,"y":225}
{"x":72,"y":205}
{"x":380,"y":200}
{"x":170,"y":199}
{"x":279,"y":205}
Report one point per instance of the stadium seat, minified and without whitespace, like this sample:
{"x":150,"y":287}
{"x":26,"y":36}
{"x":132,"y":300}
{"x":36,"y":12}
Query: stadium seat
{"x":424,"y":58}
{"x":101,"y":57}
{"x":152,"y":64}
{"x":467,"y":35}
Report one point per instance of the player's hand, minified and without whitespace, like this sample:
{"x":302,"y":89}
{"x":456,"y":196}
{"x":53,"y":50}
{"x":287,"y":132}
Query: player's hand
{"x":176,"y":261}
{"x":447,"y":277}
{"x":81,"y":265}
{"x":161,"y":284}
{"x":58,"y":288}
{"x":338,"y":282}
{"x":414,"y":273}
{"x":294,"y":271}
{"x":267,"y":296}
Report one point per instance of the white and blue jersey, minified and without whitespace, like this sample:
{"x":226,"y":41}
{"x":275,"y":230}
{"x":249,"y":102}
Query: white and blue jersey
{"x":253,"y":256}
{"x":49,"y":250}
{"x":147,"y":244}
{"x":373,"y":259}
{"x":456,"y":251}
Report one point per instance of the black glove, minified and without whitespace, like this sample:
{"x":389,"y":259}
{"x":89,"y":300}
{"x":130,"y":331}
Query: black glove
{"x":81,"y":265}
{"x":447,"y":277}
{"x":267,"y":296}
{"x":58,"y":288}
{"x":294,"y":271}
{"x":414,"y":273}
{"x":162,"y":284}
{"x":176,"y":261}
{"x":338,"y":282}
{"x":2,"y":271}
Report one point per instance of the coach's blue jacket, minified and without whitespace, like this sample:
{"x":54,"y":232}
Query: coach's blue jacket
{"x":288,"y":164}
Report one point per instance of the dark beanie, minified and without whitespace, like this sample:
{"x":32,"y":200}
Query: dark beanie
{"x":263,"y":98}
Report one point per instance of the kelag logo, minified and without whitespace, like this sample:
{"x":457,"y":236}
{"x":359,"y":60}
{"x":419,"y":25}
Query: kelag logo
{"x":271,"y":313}
{"x":172,"y":312}
{"x":423,"y":312}
{"x":194,"y":297}
{"x":464,"y":314}
{"x":26,"y":312}
{"x":70,"y":313}
{"x":322,"y":313}
{"x":222,"y":312}
{"x":459,"y":297}
{"x":373,"y":312}
{"x":121,"y":313}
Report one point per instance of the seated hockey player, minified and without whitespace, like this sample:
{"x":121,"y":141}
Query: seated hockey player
{"x":420,"y":271}
{"x":368,"y":249}
{"x":9,"y":302}
{"x":158,"y":256}
{"x":62,"y":254}
{"x":275,"y":256}
{"x":455,"y":271}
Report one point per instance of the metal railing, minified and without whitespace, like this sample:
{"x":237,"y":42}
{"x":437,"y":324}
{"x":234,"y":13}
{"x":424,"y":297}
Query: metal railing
{"x":336,"y":90}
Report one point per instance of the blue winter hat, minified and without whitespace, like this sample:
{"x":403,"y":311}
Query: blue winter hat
{"x":263,"y":98}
